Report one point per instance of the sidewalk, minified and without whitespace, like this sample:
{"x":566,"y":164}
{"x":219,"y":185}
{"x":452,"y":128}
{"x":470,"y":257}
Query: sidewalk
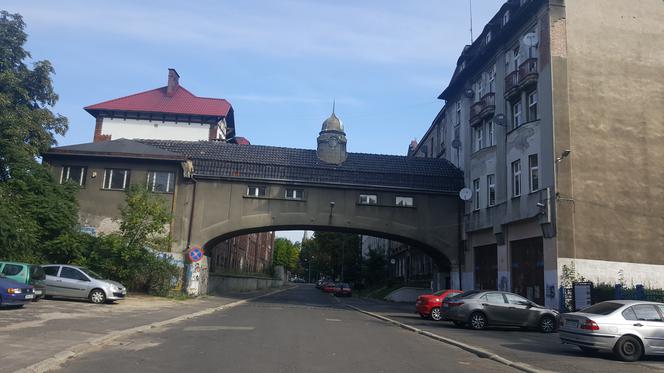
{"x":43,"y":329}
{"x":542,"y":351}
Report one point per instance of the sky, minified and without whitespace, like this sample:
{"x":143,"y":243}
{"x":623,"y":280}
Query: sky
{"x":279,"y":63}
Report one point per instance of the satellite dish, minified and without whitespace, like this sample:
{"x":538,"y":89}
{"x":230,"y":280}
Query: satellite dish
{"x":392,"y":261}
{"x":456,"y":143}
{"x":465,"y":194}
{"x":469,"y":93}
{"x":530,"y":39}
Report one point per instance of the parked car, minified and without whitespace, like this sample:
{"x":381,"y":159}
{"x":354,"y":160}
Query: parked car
{"x":628,"y":328}
{"x":14,"y":293}
{"x":24,"y":273}
{"x":479,"y":309}
{"x":342,"y":289}
{"x":429,"y":305}
{"x":319,"y":284}
{"x":298,"y":280}
{"x":71,"y":281}
{"x":328,"y":287}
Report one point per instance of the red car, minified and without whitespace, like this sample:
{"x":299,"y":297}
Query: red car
{"x":428,"y":305}
{"x":328,"y":287}
{"x":343,"y":290}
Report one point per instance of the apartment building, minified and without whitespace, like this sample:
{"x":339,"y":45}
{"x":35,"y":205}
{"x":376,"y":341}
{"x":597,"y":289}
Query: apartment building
{"x":555,"y":115}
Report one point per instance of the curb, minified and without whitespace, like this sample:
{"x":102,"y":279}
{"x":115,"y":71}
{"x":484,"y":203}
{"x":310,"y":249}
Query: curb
{"x":82,"y":348}
{"x":480,"y":352}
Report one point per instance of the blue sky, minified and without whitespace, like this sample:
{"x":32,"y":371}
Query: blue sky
{"x":279,"y":63}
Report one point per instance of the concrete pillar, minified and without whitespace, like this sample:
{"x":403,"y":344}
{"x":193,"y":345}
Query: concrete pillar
{"x":504,"y":276}
{"x":550,"y":272}
{"x":455,"y":280}
{"x":468,"y":275}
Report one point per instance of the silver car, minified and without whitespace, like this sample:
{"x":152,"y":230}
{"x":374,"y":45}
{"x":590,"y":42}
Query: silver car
{"x":69,"y":281}
{"x":479,"y":309}
{"x":629,"y":328}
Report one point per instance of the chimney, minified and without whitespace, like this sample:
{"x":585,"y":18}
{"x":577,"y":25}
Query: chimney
{"x":173,"y":82}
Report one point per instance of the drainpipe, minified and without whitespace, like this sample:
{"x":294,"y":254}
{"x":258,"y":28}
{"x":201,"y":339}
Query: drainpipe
{"x":191,"y":213}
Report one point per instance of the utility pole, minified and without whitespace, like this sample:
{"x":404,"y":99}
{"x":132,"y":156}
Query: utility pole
{"x":343,"y":248}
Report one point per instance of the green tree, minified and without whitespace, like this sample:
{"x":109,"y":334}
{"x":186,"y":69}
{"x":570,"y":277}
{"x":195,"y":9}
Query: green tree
{"x":330,"y":250}
{"x":375,"y":267}
{"x":286,"y":253}
{"x":34,"y":209}
{"x":27,"y":124}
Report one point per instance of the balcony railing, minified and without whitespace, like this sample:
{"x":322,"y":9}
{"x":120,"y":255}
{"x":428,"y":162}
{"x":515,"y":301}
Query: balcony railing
{"x":528,"y":72}
{"x":486,"y":106}
{"x":511,"y":83}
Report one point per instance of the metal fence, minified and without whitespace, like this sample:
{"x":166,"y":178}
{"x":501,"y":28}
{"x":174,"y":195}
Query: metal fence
{"x":605,"y":292}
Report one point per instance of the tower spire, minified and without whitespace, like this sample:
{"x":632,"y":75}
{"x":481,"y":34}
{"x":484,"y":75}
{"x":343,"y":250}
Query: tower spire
{"x":334,"y":102}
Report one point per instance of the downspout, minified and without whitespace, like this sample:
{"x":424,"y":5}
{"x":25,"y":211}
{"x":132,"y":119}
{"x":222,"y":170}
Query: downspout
{"x":191,"y":212}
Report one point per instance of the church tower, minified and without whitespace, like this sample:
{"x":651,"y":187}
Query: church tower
{"x":332,"y":141}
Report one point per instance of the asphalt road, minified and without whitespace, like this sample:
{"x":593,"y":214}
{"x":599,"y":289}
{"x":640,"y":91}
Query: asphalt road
{"x":539,"y":350}
{"x":298,"y":330}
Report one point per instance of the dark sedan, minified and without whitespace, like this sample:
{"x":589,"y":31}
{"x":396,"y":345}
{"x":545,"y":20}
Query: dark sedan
{"x":479,"y":309}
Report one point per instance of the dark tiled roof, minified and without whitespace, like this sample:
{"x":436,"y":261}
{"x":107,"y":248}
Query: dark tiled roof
{"x":256,"y":162}
{"x":123,"y":148}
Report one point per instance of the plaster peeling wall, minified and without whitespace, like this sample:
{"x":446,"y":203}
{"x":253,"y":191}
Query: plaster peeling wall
{"x":601,"y":271}
{"x":155,"y":129}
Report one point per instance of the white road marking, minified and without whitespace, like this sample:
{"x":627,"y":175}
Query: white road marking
{"x":336,"y":320}
{"x":213,"y":328}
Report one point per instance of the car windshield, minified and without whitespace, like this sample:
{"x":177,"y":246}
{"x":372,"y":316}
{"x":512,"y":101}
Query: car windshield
{"x":603,"y":308}
{"x":37,"y":272}
{"x":439,"y":292}
{"x":464,"y":295}
{"x":91,"y":274}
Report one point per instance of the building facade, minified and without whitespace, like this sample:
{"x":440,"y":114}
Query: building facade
{"x":554,"y":115}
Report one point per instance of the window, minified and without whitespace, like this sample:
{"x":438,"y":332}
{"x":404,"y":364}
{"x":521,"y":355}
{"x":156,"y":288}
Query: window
{"x":602,"y":308}
{"x":73,"y":273}
{"x":12,"y":269}
{"x":495,"y":298}
{"x":368,"y":199}
{"x":51,"y":270}
{"x":492,"y":79}
{"x":488,"y":37}
{"x":404,"y":201}
{"x":491,"y":189}
{"x":75,"y":174}
{"x":532,"y":106}
{"x":516,"y":178}
{"x":476,"y":192}
{"x":516,"y":54}
{"x":491,"y":133}
{"x":515,"y":299}
{"x":161,"y":182}
{"x":432,"y":150}
{"x":479,"y":135}
{"x":517,"y":119}
{"x":506,"y":17}
{"x":629,"y":314}
{"x":256,"y":191}
{"x":533,"y":172}
{"x":480,"y":89}
{"x":458,"y":113}
{"x":294,"y":193}
{"x":115,"y":179}
{"x":646,"y":312}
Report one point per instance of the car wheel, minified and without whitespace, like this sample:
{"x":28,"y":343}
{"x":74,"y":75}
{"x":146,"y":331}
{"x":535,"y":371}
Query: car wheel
{"x":588,"y":350}
{"x":435,"y":314}
{"x":547,"y":324}
{"x":477,"y":321}
{"x":97,"y":296}
{"x":458,"y":323}
{"x":628,"y":348}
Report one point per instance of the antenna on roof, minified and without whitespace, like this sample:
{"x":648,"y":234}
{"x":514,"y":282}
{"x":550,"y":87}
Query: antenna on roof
{"x":470,"y":3}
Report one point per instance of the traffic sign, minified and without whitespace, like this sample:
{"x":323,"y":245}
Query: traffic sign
{"x":195,"y":254}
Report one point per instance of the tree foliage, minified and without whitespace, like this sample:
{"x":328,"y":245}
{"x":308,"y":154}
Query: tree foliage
{"x":328,"y":250}
{"x":286,"y":253}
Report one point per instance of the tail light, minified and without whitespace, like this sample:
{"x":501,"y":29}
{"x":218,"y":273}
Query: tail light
{"x":589,"y":325}
{"x":455,"y":304}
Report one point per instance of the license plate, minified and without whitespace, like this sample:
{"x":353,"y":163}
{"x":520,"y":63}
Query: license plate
{"x":572,"y":323}
{"x":29,"y":296}
{"x":38,"y":292}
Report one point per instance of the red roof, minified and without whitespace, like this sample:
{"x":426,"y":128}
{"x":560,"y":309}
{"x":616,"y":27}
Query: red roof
{"x":156,"y":101}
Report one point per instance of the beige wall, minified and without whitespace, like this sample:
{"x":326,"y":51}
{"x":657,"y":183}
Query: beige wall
{"x":610,"y":55}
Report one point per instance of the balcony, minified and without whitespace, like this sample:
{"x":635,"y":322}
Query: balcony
{"x":528,"y":73}
{"x":483,"y":108}
{"x":511,"y":84}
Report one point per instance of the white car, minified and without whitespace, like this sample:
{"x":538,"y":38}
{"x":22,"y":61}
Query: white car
{"x":628,"y":328}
